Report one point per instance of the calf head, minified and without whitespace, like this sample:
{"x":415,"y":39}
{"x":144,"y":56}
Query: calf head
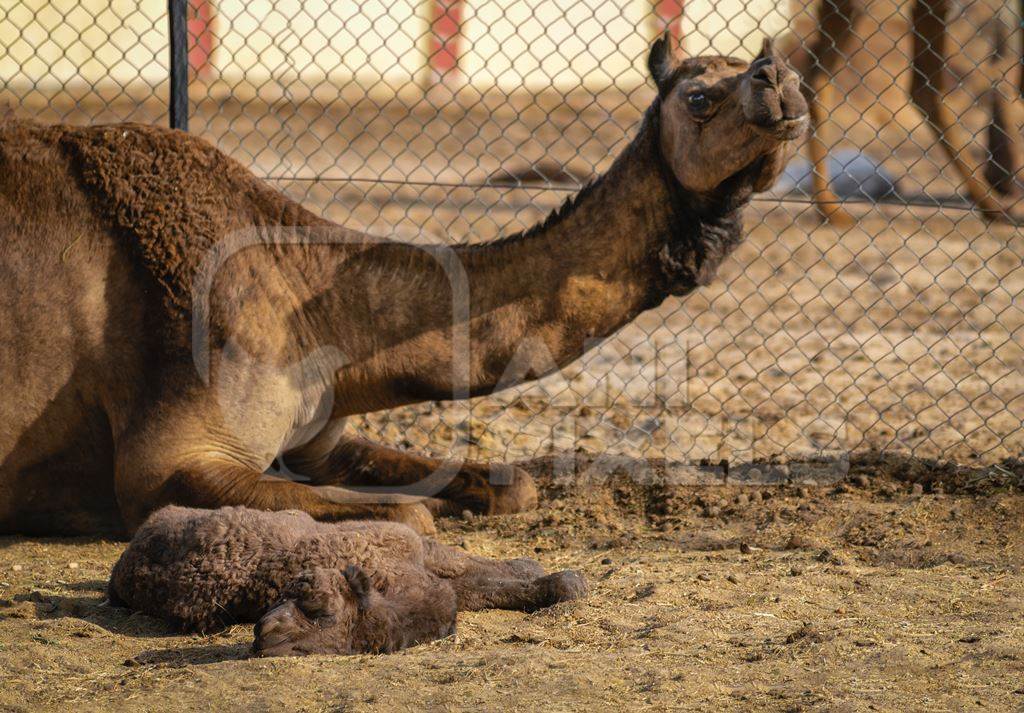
{"x":328,"y":612}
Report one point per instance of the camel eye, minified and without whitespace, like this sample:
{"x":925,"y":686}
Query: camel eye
{"x":698,"y":102}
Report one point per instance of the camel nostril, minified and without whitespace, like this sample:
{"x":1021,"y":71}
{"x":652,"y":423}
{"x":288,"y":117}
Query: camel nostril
{"x":766,"y":73}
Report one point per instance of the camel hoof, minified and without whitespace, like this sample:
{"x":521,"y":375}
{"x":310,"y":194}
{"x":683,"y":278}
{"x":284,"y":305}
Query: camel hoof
{"x":513,"y":490}
{"x":564,"y":586}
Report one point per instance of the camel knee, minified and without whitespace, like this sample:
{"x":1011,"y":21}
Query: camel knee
{"x":514,"y":490}
{"x":415,"y":516}
{"x":492,"y":489}
{"x":142,"y":489}
{"x":138,"y":495}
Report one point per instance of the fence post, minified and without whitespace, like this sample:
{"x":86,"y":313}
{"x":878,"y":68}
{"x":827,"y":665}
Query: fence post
{"x":177,"y":12}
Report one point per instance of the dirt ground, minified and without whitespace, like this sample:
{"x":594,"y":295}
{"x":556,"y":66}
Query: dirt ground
{"x":895,"y":585}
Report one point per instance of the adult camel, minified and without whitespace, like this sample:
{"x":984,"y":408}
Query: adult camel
{"x":173,"y":327}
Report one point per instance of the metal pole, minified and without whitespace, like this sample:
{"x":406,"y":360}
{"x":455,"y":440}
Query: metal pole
{"x":177,"y":12}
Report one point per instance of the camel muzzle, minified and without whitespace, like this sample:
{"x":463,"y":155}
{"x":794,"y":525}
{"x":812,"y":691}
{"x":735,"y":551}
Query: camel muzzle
{"x":772,"y":100}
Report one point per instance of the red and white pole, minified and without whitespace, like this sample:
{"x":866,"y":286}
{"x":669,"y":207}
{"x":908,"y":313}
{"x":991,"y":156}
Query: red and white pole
{"x":200,"y":33}
{"x":668,"y":15}
{"x":444,"y":47}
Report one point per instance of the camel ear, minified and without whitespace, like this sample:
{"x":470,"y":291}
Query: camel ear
{"x":767,"y":49}
{"x":660,"y":63}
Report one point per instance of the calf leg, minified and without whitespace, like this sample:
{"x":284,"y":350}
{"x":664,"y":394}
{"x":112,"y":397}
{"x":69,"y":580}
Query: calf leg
{"x":482,"y":583}
{"x":480,"y":590}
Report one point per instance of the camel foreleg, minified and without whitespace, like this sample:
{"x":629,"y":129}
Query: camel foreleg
{"x":830,"y":49}
{"x":448,"y":487}
{"x":150,"y":475}
{"x":929,"y":87}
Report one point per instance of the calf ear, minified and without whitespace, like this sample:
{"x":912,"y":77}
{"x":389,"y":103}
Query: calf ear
{"x":360,"y":585}
{"x":661,"y":64}
{"x":315,"y":592}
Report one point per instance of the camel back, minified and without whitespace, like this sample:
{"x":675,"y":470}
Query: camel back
{"x":174,"y":196}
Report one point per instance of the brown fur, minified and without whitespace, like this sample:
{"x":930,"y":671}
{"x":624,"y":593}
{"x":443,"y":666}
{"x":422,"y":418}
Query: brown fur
{"x":351,"y":587}
{"x":153,"y":367}
{"x":173,"y":195}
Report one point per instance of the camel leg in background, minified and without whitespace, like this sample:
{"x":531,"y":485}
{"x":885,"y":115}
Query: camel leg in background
{"x":484,"y":488}
{"x":928,"y":88}
{"x":1004,"y":151}
{"x":832,"y":46}
{"x":1004,"y":146}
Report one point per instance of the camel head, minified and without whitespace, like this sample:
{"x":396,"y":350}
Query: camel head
{"x":721,"y":115}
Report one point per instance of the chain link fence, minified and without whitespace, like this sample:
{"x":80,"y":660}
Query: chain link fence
{"x":463,"y":120}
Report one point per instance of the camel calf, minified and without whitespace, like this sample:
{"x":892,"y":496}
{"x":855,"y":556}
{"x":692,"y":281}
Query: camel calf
{"x":313,"y":587}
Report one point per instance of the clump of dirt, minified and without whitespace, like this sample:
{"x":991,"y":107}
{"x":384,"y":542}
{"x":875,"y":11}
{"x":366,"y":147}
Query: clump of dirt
{"x":890,"y":584}
{"x":942,"y":476}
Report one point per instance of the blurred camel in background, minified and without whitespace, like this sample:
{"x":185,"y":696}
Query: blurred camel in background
{"x":990,"y":185}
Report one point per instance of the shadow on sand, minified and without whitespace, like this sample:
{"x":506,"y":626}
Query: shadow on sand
{"x":191,"y":655}
{"x":92,"y":606}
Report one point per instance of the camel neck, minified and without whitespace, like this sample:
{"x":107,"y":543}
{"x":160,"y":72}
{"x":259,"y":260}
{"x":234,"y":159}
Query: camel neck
{"x":607,"y":233}
{"x":537,"y":300}
{"x":635,"y":225}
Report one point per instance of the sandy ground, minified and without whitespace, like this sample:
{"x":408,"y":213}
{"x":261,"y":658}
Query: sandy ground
{"x":866,"y":594}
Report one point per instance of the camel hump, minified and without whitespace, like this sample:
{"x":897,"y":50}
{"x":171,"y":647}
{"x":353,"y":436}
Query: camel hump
{"x":172,"y":195}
